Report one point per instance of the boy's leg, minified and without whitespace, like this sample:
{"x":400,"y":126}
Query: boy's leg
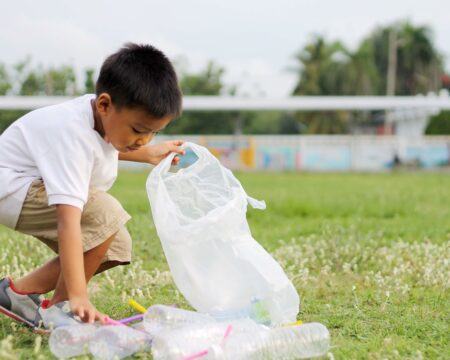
{"x":92,"y":261}
{"x":48,"y":277}
{"x":102,"y":225}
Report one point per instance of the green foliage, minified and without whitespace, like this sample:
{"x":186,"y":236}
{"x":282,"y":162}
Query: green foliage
{"x":33,"y":84}
{"x":368,"y":254}
{"x":322,"y":65}
{"x":206,"y":82}
{"x":28,"y":80}
{"x":89,"y":83}
{"x":24,"y":79}
{"x":419,"y":63}
{"x":324,"y":68}
{"x":53,"y":81}
{"x":210,"y":82}
{"x":328,"y":68}
{"x":60,"y":81}
{"x":7,"y":117}
{"x":5,"y":83}
{"x":439,"y":124}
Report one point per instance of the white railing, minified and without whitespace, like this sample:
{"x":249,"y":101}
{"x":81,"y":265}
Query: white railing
{"x":295,"y":103}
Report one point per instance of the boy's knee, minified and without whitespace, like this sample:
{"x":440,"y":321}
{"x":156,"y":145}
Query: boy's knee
{"x":120,"y":248}
{"x":104,"y":210}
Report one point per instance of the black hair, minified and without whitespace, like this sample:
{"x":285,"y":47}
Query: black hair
{"x":141,"y":76}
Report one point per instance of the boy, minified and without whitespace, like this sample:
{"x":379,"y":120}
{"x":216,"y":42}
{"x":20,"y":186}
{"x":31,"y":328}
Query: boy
{"x":56,"y":164}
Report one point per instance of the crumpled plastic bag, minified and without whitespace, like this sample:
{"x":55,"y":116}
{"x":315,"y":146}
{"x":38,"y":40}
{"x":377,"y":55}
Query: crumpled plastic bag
{"x":200,"y":216}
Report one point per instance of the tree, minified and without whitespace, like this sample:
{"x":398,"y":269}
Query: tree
{"x":40,"y":81}
{"x":328,"y":68}
{"x":89,"y":83}
{"x":439,"y":124}
{"x":323,"y":70}
{"x":33,"y":84}
{"x":206,"y":82}
{"x":419,"y":63}
{"x":60,"y":81}
{"x":28,"y":80}
{"x":5,"y":81}
{"x":321,"y":65}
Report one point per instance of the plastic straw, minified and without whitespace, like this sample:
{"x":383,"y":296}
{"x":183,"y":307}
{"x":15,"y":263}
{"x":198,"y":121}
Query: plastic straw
{"x":131,"y":319}
{"x":297,"y":323}
{"x":204,"y":352}
{"x":138,"y":307}
{"x":110,"y":321}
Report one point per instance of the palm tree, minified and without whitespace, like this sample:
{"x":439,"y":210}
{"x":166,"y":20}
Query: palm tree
{"x":321,"y":72}
{"x":419,"y":64}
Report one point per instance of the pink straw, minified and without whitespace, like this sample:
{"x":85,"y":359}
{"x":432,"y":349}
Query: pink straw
{"x":204,"y":352}
{"x":110,"y":321}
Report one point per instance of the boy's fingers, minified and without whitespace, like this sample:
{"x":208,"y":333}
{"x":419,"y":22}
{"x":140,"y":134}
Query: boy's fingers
{"x":91,"y":316}
{"x":178,"y":150}
{"x":100,"y":317}
{"x":176,"y":147}
{"x":80,"y":313}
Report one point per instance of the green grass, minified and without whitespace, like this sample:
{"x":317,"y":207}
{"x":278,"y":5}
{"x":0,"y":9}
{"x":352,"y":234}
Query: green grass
{"x":368,"y":253}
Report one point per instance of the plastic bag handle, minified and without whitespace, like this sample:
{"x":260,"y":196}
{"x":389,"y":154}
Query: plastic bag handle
{"x":256,"y":204}
{"x":201,"y":153}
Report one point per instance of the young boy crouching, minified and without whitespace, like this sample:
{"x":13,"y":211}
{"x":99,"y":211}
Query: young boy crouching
{"x":57,"y":164}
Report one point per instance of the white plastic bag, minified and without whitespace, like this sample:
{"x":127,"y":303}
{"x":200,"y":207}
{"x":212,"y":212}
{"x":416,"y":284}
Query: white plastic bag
{"x":200,"y":216}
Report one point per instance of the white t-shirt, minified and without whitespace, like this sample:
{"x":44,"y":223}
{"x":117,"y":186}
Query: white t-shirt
{"x":59,"y":145}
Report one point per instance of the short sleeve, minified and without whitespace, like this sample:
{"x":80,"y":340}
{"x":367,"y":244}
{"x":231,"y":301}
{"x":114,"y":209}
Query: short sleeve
{"x":65,"y":160}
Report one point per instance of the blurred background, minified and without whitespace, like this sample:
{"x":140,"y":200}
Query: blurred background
{"x":286,"y":85}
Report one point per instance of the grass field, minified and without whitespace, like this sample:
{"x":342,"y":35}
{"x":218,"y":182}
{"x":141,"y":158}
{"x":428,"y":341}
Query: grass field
{"x":369,"y":255}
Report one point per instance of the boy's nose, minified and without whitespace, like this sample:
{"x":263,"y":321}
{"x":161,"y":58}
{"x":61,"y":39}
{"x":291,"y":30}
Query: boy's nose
{"x":144,"y":140}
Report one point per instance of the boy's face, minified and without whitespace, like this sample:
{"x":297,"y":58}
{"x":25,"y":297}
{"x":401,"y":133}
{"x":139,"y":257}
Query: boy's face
{"x":127,"y":129}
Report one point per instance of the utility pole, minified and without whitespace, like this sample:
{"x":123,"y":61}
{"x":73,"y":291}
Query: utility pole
{"x":392,"y":63}
{"x":391,"y":76}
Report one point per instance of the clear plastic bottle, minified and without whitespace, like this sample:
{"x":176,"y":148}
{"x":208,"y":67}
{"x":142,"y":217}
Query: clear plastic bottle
{"x":190,"y":340}
{"x":258,"y":310}
{"x":71,"y":340}
{"x":160,"y":317}
{"x":117,"y":342}
{"x":293,"y":342}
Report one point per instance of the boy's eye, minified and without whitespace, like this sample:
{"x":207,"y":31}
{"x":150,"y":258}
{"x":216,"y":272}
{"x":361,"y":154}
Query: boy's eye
{"x":137,"y":131}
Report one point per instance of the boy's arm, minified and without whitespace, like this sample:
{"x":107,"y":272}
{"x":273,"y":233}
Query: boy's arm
{"x":153,"y":154}
{"x":72,"y":264}
{"x":141,"y":155}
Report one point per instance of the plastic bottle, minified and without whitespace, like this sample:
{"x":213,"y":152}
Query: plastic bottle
{"x":192,"y":341}
{"x":117,"y":342}
{"x":71,"y":340}
{"x":160,"y":317}
{"x":294,"y":342}
{"x":258,"y":310}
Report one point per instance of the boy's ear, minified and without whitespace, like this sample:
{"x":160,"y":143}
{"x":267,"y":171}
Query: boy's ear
{"x":104,"y":103}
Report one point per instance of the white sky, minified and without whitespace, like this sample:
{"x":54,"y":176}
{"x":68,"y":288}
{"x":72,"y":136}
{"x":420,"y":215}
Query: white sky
{"x":254,"y":40}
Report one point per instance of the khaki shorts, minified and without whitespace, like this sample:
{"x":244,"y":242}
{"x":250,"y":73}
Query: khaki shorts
{"x":102,"y":217}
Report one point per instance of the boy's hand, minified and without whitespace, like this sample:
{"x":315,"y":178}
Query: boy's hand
{"x":87,"y":312}
{"x":158,"y":152}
